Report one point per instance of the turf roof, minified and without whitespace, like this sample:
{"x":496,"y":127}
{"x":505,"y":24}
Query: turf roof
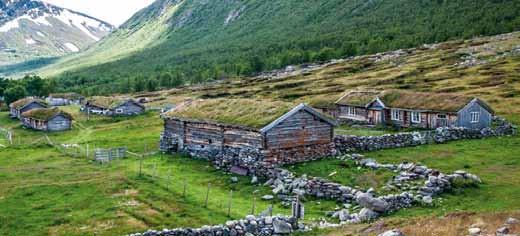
{"x":244,"y":112}
{"x":107,"y":102}
{"x":448,"y":102}
{"x":65,"y":95}
{"x":24,"y":101}
{"x":45,"y":113}
{"x":358,"y":98}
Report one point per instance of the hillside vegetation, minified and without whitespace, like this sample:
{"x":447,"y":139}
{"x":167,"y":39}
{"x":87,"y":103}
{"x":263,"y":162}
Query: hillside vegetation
{"x":198,"y":40}
{"x":484,"y":67}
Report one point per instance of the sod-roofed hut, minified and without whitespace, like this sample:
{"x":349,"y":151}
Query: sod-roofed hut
{"x":47,"y":119}
{"x":416,"y":109}
{"x":23,"y":105}
{"x":245,"y":130}
{"x":64,"y":99}
{"x":113,"y":106}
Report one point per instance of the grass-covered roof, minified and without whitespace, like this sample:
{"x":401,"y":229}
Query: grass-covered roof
{"x":243,"y":112}
{"x":45,"y":113}
{"x":358,"y":98}
{"x":107,"y":102}
{"x":448,"y":102}
{"x":24,"y":101}
{"x":65,"y":95}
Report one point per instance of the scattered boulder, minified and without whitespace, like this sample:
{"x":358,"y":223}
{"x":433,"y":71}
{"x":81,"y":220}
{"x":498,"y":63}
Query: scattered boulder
{"x":366,"y":214}
{"x":512,"y":221}
{"x":375,"y":204}
{"x":282,"y":227}
{"x":234,"y":179}
{"x":394,"y":232}
{"x":268,"y":197}
{"x":504,"y":230}
{"x":474,"y":231}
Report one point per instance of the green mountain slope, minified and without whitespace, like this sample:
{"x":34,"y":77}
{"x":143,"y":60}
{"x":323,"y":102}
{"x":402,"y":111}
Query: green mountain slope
{"x":200,"y":40}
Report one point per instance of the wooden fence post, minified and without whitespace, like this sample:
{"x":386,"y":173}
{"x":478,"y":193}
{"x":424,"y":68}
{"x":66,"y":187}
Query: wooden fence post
{"x":229,"y":203}
{"x":169,"y":179}
{"x":184,"y":189}
{"x":254,"y":206}
{"x":207,"y":196}
{"x":141,"y":166}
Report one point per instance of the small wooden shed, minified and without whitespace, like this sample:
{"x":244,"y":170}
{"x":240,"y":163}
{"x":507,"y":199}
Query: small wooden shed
{"x":23,"y":105}
{"x":272,"y":132}
{"x":47,"y":119}
{"x":112,"y":106}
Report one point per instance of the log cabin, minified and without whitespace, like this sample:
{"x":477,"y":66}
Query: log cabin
{"x":23,"y":105}
{"x":112,"y":106}
{"x":414,"y":109}
{"x":64,"y":99}
{"x":47,"y":119}
{"x":242,"y":129}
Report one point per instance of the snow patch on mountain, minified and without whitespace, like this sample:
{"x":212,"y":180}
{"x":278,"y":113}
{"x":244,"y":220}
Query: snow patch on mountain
{"x":83,"y":23}
{"x":30,"y":41}
{"x":72,"y":47}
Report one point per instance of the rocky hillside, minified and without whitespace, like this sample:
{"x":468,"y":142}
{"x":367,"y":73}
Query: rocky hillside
{"x":209,"y":40}
{"x":32,"y":29}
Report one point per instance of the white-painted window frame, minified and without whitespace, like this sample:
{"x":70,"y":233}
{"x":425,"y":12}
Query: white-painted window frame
{"x":351,"y":111}
{"x":475,"y":117}
{"x":119,"y":111}
{"x":396,"y":114}
{"x":415,"y":117}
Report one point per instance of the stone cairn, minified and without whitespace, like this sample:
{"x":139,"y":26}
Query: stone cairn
{"x":251,"y":225}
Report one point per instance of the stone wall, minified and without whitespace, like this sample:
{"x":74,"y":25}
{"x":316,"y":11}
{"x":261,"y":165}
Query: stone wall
{"x":299,"y":154}
{"x":350,"y":143}
{"x":251,"y":225}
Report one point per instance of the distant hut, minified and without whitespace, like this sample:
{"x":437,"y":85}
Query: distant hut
{"x":415,"y":109}
{"x":64,"y":99}
{"x":47,"y":119}
{"x":23,"y":105}
{"x":110,"y":106}
{"x":266,"y":131}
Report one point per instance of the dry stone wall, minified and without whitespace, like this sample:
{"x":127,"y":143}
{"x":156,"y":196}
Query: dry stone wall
{"x":251,"y":225}
{"x":350,"y":143}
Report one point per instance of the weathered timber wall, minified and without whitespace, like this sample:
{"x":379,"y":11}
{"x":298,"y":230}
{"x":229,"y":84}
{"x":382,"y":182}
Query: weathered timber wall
{"x":301,"y":137}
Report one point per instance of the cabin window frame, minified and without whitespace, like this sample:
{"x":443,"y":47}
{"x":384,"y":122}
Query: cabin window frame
{"x":475,"y":117}
{"x":351,"y":111}
{"x":119,"y":111}
{"x":396,"y":114}
{"x":416,"y":117}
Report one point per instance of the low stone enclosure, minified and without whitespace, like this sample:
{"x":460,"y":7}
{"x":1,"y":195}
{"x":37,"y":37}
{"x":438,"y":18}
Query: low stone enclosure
{"x":414,"y":184}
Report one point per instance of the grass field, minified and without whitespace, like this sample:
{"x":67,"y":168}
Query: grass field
{"x":46,"y":191}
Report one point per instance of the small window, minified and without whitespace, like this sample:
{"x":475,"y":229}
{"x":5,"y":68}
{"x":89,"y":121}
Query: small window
{"x":210,"y":141}
{"x":441,"y":116}
{"x":119,"y":111}
{"x":396,"y":114}
{"x":351,"y":111}
{"x":475,"y":117}
{"x":416,"y":117}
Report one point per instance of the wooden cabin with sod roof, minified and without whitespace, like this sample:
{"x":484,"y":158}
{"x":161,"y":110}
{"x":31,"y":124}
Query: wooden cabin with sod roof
{"x":64,"y":99}
{"x":113,"y":106}
{"x":414,"y":109}
{"x":267,"y":131}
{"x":47,"y":119}
{"x":23,"y":105}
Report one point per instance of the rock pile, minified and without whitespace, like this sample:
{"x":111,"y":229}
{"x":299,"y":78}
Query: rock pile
{"x":251,"y":225}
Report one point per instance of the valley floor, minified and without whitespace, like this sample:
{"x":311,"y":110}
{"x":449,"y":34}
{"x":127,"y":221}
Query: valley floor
{"x":52,"y":190}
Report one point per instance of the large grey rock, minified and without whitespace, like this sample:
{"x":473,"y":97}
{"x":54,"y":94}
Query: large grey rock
{"x":366,"y":200}
{"x":281,"y":227}
{"x":474,"y":231}
{"x":394,"y":232}
{"x":366,"y":214}
{"x":504,"y":230}
{"x":512,"y":221}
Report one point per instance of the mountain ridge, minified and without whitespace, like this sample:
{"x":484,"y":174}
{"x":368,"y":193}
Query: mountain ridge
{"x":32,"y":29}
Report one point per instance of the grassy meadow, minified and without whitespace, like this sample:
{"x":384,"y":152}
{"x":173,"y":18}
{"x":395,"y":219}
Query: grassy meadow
{"x":46,"y":190}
